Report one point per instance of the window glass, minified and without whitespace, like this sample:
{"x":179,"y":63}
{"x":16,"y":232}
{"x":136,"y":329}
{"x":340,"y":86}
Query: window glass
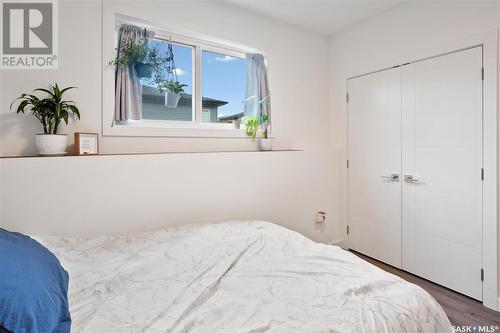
{"x":158,"y":102}
{"x":223,"y":87}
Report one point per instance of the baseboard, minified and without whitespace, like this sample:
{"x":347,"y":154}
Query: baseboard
{"x":340,"y":243}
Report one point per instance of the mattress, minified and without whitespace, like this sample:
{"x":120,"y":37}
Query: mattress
{"x":238,"y":276}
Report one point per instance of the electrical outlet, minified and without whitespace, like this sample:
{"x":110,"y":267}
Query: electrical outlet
{"x":320,"y":217}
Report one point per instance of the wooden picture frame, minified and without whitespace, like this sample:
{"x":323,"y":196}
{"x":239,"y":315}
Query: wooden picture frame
{"x":86,"y":144}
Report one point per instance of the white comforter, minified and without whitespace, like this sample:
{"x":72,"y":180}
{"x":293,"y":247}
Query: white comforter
{"x":234,"y":277}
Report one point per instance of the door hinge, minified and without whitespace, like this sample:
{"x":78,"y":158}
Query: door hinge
{"x":347,"y":98}
{"x":482,"y":73}
{"x":347,"y":164}
{"x":482,"y":174}
{"x":482,"y":274}
{"x":347,"y":230}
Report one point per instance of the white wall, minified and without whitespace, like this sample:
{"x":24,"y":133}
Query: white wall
{"x":95,"y":195}
{"x":130,"y":193}
{"x":386,"y":40}
{"x":299,"y":82}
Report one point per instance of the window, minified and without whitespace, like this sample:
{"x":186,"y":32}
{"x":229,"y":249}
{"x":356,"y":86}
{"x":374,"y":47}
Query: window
{"x":223,"y":82}
{"x":154,"y":103}
{"x":197,"y":88}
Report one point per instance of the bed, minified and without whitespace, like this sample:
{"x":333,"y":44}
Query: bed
{"x":234,"y":277}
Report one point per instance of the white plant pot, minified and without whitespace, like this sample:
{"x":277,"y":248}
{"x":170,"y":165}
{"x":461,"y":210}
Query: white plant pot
{"x":51,"y":144}
{"x":265,"y":144}
{"x":171,"y":100}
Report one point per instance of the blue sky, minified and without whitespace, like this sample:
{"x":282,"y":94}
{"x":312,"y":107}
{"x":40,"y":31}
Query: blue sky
{"x":223,"y":77}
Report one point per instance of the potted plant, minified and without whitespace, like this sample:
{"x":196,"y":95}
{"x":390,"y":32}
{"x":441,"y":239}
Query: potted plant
{"x":173,"y":90}
{"x":50,"y":111}
{"x":251,"y":125}
{"x":137,"y":55}
{"x":265,"y":143}
{"x":143,"y":70}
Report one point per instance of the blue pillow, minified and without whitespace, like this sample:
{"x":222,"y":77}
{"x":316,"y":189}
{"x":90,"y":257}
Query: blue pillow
{"x":33,"y":287}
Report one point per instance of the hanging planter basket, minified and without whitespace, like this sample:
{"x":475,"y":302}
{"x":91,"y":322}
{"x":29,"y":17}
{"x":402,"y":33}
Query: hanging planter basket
{"x":143,"y":70}
{"x":170,"y":84}
{"x":171,"y":100}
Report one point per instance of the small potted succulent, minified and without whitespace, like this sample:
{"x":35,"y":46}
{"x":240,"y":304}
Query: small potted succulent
{"x":173,"y":90}
{"x":137,"y":55}
{"x":50,"y":111}
{"x":265,"y":143}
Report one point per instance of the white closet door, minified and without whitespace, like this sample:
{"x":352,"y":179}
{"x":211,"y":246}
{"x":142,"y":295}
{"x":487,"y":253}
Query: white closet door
{"x":442,"y":192}
{"x":374,"y":112}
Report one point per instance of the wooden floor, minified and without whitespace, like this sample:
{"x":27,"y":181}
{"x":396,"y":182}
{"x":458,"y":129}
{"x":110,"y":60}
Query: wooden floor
{"x":461,"y":309}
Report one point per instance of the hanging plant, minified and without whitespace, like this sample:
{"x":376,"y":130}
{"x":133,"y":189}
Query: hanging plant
{"x":131,"y":53}
{"x":169,"y":83}
{"x":173,"y":87}
{"x":146,"y":60}
{"x":155,"y":62}
{"x":159,"y":60}
{"x":173,"y":90}
{"x":134,"y":54}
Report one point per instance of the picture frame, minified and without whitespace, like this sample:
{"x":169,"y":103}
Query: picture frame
{"x":86,"y":144}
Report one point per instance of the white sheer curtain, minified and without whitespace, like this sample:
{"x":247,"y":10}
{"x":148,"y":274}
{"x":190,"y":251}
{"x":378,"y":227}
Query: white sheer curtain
{"x":128,"y":94}
{"x":258,"y":98}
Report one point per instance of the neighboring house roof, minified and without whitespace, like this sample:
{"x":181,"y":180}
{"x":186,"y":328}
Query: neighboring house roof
{"x":232,"y":117}
{"x":153,"y":95}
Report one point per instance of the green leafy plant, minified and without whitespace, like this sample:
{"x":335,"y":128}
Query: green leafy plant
{"x":174,"y":87}
{"x":162,"y":69}
{"x":261,"y":119}
{"x":165,"y":74}
{"x":264,"y":124}
{"x":131,"y":53}
{"x":50,"y":111}
{"x":251,"y":125}
{"x":159,"y":60}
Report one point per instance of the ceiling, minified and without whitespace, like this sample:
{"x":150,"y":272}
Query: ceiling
{"x":325,"y":17}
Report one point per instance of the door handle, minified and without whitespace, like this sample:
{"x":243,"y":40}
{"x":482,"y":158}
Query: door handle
{"x":410,"y":179}
{"x":393,"y":177}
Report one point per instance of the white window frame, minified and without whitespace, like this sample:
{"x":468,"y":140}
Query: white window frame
{"x":167,"y":128}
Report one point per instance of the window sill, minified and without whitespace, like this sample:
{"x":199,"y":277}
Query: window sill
{"x":175,"y":129}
